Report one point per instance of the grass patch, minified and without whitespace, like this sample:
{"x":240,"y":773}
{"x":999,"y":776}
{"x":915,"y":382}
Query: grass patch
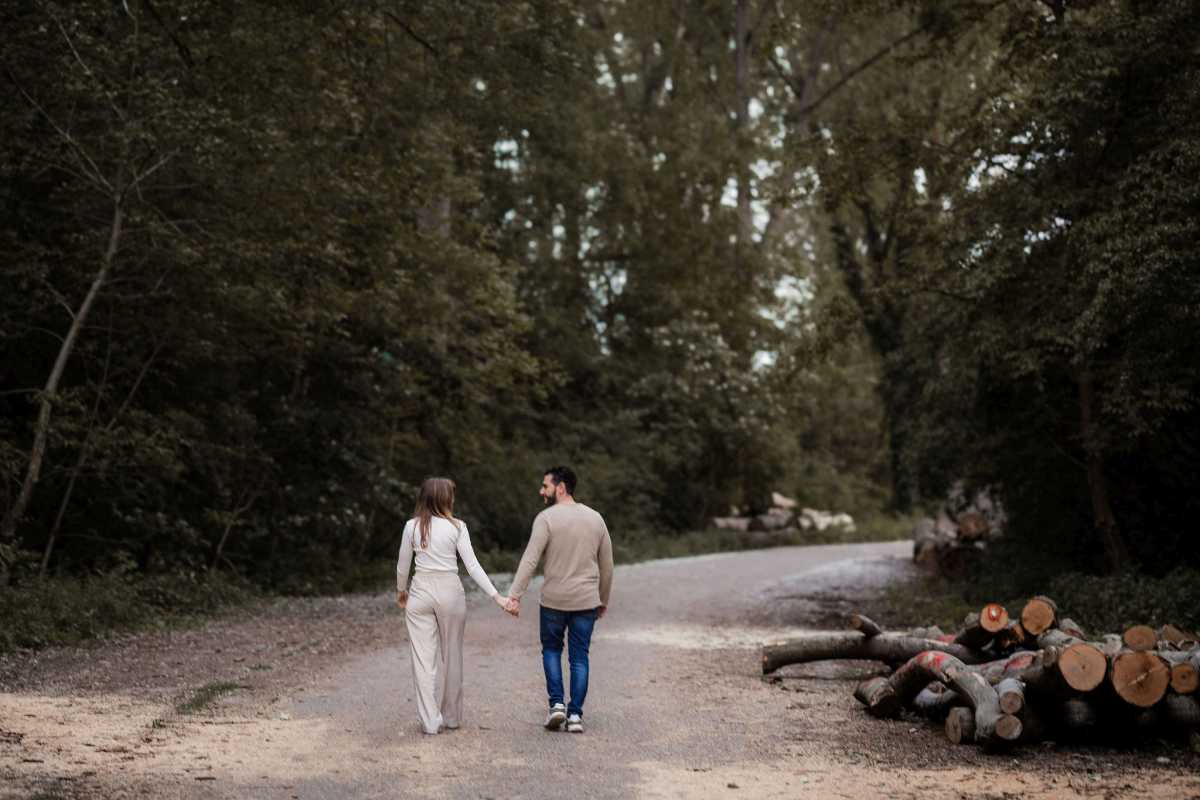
{"x":922,"y":602}
{"x":204,"y":697}
{"x":67,"y":611}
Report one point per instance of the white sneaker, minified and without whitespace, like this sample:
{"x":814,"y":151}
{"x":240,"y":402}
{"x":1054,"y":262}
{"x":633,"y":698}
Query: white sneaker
{"x":574,"y":724}
{"x":554,"y":720}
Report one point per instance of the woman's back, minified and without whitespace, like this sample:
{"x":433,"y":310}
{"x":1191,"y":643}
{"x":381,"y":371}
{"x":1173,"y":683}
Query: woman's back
{"x":442,"y":553}
{"x":447,"y":541}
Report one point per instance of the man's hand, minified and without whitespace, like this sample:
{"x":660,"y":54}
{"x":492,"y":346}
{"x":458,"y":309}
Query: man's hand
{"x":402,"y":599}
{"x":513,"y":606}
{"x":601,"y":611}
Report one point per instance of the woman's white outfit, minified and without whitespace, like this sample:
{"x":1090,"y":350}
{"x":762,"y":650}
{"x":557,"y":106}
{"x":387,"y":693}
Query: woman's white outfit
{"x":436,"y":615}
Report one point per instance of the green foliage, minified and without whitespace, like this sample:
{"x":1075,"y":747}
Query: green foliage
{"x":922,"y":602}
{"x":67,"y":611}
{"x":872,"y":248}
{"x":1101,"y":604}
{"x":1020,"y":237}
{"x":1113,"y":603}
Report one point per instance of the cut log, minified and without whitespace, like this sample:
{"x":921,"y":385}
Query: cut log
{"x":993,"y":617}
{"x":992,"y":726}
{"x":773,"y":520}
{"x":926,"y":541}
{"x":960,"y":725}
{"x":877,"y":695}
{"x":1011,"y":694}
{"x":1010,"y":667}
{"x":1008,"y":728}
{"x":1140,"y":637}
{"x":1039,"y":615}
{"x":865,"y":625}
{"x":1081,"y":664}
{"x":1013,"y":637}
{"x":935,"y":701}
{"x":931,"y":632}
{"x":971,"y":526}
{"x":782,"y":502}
{"x":1185,"y":670}
{"x":1039,"y":673}
{"x":1177,"y":637}
{"x":972,"y":634}
{"x":1070,"y":627}
{"x":1139,"y":677}
{"x":891,"y":648}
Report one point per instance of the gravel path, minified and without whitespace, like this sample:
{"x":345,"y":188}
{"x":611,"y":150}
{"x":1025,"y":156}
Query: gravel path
{"x":320,"y":705}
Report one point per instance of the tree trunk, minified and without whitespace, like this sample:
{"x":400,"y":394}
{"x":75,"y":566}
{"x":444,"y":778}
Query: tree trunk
{"x":742,"y":34}
{"x":935,"y":701}
{"x":865,"y":625}
{"x":1082,"y":665}
{"x":1115,"y":552}
{"x":960,"y":725}
{"x":891,"y":648}
{"x":1039,"y":615}
{"x":1140,"y":637}
{"x":972,"y":634}
{"x":992,"y":726}
{"x":1177,"y":638}
{"x":8,"y":527}
{"x":232,"y":521}
{"x":1013,"y":637}
{"x":85,"y":452}
{"x":1011,"y":693}
{"x":1185,"y":671}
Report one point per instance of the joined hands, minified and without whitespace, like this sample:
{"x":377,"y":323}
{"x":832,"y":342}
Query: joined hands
{"x":510,"y":605}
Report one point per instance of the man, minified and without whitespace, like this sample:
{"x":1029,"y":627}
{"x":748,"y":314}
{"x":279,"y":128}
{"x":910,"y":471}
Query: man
{"x":577,"y":550}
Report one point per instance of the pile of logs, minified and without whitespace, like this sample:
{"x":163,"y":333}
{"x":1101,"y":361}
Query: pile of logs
{"x":950,"y":542}
{"x":998,"y":681}
{"x":785,"y":514}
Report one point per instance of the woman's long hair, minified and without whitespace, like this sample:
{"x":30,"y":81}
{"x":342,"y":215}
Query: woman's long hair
{"x":435,"y":499}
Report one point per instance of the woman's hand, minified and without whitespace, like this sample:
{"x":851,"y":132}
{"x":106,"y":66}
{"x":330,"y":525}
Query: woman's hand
{"x":505,"y":603}
{"x":402,"y":599}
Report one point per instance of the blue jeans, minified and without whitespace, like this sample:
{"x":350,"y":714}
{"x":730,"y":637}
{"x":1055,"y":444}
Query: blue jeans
{"x":577,"y":625}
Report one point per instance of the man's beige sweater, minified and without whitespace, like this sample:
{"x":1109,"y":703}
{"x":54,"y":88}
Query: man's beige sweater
{"x":578,"y":558}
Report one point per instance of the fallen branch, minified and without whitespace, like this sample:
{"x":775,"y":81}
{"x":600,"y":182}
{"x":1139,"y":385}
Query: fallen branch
{"x":891,"y":648}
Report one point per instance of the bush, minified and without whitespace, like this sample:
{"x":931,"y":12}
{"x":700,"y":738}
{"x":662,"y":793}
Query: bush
{"x":1109,"y":604}
{"x":65,"y":611}
{"x":1099,"y":603}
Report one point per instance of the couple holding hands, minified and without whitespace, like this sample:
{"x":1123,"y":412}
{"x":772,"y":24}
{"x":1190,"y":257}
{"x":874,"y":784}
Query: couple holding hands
{"x":572,"y":541}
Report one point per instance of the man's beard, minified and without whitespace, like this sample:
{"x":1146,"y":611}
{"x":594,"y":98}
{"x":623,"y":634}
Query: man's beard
{"x":549,"y":501}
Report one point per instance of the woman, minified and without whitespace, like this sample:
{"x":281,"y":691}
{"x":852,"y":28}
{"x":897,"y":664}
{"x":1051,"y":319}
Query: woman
{"x":436,"y":606}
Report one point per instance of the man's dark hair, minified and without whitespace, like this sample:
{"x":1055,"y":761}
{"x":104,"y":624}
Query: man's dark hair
{"x":563,"y":475}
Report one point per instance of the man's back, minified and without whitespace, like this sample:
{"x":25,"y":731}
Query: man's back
{"x":574,"y":544}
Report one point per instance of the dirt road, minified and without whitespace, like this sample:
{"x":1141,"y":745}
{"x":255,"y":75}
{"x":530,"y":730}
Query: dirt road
{"x":320,"y":705}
